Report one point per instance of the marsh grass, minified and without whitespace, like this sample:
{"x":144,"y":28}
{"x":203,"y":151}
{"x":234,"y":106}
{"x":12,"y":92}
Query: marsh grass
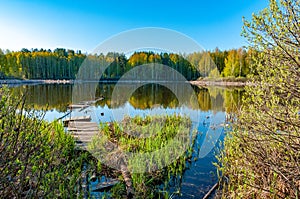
{"x":37,"y":159}
{"x":154,"y":148}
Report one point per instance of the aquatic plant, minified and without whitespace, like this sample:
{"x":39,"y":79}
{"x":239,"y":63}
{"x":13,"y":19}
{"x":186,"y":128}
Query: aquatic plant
{"x":153,"y":148}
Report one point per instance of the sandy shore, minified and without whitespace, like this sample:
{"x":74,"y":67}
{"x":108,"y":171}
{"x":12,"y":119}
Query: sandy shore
{"x":34,"y":81}
{"x":219,"y":83}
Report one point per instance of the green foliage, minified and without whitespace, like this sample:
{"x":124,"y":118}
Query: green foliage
{"x":219,"y":58}
{"x":236,"y":64}
{"x":261,"y":156}
{"x":203,"y":62}
{"x":41,"y":64}
{"x":175,"y":61}
{"x":157,"y":130}
{"x":214,"y":73}
{"x":65,"y":64}
{"x":118,"y":191}
{"x":232,"y":63}
{"x":37,"y":159}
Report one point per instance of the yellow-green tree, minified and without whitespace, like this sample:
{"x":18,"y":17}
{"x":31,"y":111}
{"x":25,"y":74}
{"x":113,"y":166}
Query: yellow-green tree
{"x":236,"y":64}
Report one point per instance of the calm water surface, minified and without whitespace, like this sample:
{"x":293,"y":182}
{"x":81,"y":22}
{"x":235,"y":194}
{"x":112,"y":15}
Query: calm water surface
{"x":213,"y":104}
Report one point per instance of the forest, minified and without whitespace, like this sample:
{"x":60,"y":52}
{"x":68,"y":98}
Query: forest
{"x":64,"y":63}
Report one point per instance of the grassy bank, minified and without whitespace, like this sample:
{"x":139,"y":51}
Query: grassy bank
{"x":37,"y":159}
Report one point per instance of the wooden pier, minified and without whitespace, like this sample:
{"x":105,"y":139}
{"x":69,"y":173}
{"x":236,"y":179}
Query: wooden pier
{"x":77,"y":119}
{"x":82,"y":128}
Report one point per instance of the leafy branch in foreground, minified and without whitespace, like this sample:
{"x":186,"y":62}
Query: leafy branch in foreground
{"x":261,"y":156}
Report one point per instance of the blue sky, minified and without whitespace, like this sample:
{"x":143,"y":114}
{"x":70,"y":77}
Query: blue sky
{"x":82,"y":25}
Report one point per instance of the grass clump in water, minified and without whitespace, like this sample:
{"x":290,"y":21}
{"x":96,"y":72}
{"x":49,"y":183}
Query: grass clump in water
{"x":153,"y":148}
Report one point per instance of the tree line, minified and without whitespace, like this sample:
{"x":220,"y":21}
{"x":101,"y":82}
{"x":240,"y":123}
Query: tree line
{"x":65,"y":63}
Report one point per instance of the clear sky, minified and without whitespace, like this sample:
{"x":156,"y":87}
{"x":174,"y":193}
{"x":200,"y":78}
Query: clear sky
{"x":83,"y":24}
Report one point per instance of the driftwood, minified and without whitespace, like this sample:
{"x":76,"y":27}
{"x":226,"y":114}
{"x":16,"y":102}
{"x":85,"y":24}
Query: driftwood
{"x":208,"y":194}
{"x":127,"y":178}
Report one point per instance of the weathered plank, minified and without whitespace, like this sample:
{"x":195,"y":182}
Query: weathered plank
{"x":82,"y":123}
{"x":84,"y":135}
{"x":77,"y":119}
{"x":83,"y":140}
{"x":74,"y":124}
{"x":82,"y":128}
{"x":83,"y":131}
{"x":77,"y":106}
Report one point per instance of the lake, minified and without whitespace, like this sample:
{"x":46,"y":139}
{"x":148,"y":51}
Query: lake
{"x":209,"y":110}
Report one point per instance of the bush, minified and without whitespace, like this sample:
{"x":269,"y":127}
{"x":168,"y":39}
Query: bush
{"x":37,"y":159}
{"x":261,"y":156}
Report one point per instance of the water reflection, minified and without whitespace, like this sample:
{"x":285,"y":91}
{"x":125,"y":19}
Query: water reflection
{"x":58,"y":96}
{"x":147,"y":97}
{"x":46,"y":96}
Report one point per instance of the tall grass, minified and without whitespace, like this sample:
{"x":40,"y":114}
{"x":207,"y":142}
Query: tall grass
{"x":154,"y":148}
{"x":37,"y":159}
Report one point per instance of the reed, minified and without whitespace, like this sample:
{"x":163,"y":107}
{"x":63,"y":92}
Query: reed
{"x":37,"y":159}
{"x":155,"y":148}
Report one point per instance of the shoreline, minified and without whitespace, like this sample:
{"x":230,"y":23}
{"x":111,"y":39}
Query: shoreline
{"x":51,"y":81}
{"x":33,"y":81}
{"x":220,"y":83}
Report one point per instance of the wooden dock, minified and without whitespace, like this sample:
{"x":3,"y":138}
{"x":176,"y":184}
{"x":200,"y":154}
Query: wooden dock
{"x":81,"y":127}
{"x":84,"y":104}
{"x":77,"y":106}
{"x":83,"y":130}
{"x":77,"y":119}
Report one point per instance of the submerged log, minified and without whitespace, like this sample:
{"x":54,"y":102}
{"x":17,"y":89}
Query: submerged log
{"x":127,"y":178}
{"x":208,"y":194}
{"x":117,"y":159}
